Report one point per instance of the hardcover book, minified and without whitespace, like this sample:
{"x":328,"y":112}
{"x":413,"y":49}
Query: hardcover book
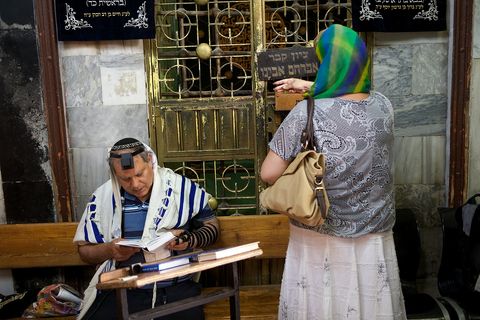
{"x":150,"y":245}
{"x":226,"y":252}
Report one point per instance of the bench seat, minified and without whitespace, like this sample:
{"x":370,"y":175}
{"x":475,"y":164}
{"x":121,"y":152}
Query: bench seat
{"x":42,"y":245}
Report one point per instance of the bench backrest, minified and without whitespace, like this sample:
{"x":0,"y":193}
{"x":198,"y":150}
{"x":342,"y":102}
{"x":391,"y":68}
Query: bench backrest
{"x":50,"y":244}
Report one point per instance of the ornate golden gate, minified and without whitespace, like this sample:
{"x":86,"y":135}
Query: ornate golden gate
{"x":210,"y":119}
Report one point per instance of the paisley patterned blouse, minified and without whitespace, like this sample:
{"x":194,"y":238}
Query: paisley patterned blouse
{"x":357,"y":139}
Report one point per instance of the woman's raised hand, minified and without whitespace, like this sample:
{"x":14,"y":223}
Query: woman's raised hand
{"x":293,"y":85}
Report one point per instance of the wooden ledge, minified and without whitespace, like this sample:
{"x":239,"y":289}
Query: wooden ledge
{"x":51,"y":244}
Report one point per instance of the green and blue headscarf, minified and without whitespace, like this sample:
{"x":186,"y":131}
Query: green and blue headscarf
{"x":344,"y":63}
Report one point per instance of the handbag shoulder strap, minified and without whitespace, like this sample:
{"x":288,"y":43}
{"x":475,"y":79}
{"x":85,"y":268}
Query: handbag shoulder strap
{"x":307,"y":140}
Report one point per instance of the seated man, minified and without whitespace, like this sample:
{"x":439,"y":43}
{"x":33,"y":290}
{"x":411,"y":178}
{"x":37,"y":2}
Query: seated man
{"x":142,"y":200}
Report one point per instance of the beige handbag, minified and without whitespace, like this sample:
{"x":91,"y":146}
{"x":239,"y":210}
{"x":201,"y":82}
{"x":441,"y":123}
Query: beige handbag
{"x":299,"y":192}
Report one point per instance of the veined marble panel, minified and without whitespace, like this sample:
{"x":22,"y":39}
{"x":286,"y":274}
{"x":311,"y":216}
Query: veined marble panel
{"x":123,"y":79}
{"x":82,"y":81}
{"x":407,"y":155}
{"x":419,"y":160}
{"x":409,"y":38}
{"x":123,"y":86}
{"x":90,"y":169}
{"x":392,"y":70}
{"x":78,"y":48}
{"x":121,"y":47}
{"x":474,"y":130}
{"x":476,"y":29}
{"x":430,"y":67}
{"x":424,"y":200}
{"x":102,"y":127}
{"x":420,"y":115}
{"x":122,"y":61}
{"x":93,"y":48}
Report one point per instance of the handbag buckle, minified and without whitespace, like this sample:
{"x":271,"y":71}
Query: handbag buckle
{"x":318,"y":183}
{"x":319,"y":190}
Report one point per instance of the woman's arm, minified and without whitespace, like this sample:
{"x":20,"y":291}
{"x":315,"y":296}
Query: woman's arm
{"x":292,"y":85}
{"x":272,"y":167}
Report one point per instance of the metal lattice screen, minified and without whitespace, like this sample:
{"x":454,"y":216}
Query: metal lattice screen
{"x":210,"y":119}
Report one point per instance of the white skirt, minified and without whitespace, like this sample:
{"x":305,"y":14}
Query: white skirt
{"x":334,"y":278}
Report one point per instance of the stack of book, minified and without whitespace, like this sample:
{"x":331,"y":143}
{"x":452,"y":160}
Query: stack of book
{"x":196,"y":256}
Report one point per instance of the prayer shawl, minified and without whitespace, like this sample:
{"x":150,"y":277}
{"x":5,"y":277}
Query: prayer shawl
{"x":344,"y":64}
{"x":173,"y":202}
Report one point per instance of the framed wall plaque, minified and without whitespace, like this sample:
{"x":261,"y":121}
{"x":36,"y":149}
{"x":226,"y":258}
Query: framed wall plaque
{"x":399,"y":15}
{"x":79,"y":20}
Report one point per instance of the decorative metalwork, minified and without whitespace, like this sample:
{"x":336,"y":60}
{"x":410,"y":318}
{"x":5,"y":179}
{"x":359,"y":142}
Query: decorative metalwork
{"x":209,"y":119}
{"x":71,"y":22}
{"x":430,"y":14}
{"x":367,"y":14}
{"x":232,"y":182}
{"x":141,"y":20}
{"x":230,"y":23}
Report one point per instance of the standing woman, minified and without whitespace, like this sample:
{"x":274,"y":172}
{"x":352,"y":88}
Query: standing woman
{"x":347,"y":267}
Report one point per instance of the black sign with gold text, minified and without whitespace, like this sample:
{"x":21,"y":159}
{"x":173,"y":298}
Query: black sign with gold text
{"x":399,"y":15}
{"x":104,"y":19}
{"x":289,"y":62}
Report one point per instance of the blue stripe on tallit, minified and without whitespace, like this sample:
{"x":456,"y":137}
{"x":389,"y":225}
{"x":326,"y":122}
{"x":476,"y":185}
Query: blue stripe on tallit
{"x":89,"y":208}
{"x":182,"y":198}
{"x":191,"y":200}
{"x":113,"y":204}
{"x":92,"y":207}
{"x":202,"y":200}
{"x":96,"y":233}
{"x":85,"y":232}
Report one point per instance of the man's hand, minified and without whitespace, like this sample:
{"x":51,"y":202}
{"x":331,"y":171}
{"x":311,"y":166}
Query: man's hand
{"x":122,"y":253}
{"x":177,"y":244}
{"x":98,"y":253}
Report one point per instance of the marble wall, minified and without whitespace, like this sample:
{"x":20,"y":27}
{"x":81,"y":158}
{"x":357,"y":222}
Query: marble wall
{"x":474,"y":128}
{"x":476,"y":29}
{"x":105,"y":97}
{"x":411,"y":70}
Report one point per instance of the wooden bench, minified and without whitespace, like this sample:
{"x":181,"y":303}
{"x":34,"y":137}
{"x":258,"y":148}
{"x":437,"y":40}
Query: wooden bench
{"x":50,"y":245}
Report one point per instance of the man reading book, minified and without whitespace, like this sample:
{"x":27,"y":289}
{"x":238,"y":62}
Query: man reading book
{"x":142,"y":201}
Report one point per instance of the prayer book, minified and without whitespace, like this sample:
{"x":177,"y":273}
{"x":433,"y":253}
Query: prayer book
{"x":133,"y":271}
{"x":150,"y":245}
{"x":162,"y":265}
{"x":226,"y":252}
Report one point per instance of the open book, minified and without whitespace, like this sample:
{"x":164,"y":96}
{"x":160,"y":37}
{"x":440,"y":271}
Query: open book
{"x":226,"y":252}
{"x":151,"y":245}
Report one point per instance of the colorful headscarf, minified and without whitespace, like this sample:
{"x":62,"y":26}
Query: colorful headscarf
{"x":344,"y":63}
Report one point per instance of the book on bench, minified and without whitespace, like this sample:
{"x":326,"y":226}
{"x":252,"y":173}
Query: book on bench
{"x":226,"y":252}
{"x":150,"y":245}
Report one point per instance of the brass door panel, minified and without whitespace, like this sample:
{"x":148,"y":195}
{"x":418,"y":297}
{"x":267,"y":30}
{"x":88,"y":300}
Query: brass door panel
{"x":209,"y":118}
{"x":205,"y":129}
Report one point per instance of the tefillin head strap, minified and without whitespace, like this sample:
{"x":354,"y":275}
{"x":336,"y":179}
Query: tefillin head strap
{"x":126,"y":159}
